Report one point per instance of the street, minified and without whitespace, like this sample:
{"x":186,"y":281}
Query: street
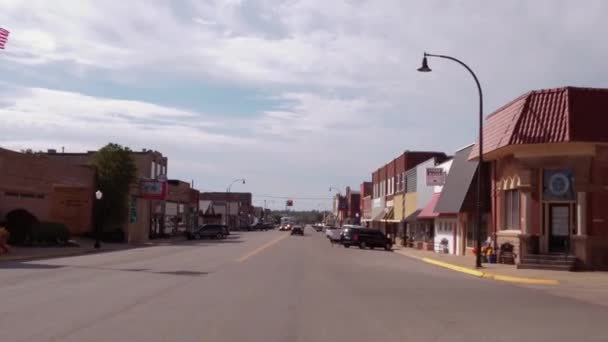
{"x":269,"y":286}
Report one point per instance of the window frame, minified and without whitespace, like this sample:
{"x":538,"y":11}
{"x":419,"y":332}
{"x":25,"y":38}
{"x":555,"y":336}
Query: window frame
{"x":511,"y":210}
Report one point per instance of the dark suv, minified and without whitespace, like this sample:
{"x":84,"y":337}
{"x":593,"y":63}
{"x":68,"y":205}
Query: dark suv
{"x":217,"y":231}
{"x":365,"y":237}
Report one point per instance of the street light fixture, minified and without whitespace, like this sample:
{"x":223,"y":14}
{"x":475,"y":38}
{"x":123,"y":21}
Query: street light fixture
{"x":425,"y":68}
{"x":228,"y":197}
{"x":98,"y":196}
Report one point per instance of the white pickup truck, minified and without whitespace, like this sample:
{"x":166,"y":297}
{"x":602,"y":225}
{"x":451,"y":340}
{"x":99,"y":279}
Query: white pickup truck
{"x":333,"y":233}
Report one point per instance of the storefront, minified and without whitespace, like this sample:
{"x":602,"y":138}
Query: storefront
{"x":456,"y":205}
{"x":549,"y":174}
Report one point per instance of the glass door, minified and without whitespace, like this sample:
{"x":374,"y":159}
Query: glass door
{"x":559,"y":227}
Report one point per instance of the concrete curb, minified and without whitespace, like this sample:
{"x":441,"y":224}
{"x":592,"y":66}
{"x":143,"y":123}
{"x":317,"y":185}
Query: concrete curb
{"x":45,"y":256}
{"x":481,"y":274}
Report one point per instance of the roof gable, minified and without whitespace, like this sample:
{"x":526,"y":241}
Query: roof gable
{"x":548,"y":116}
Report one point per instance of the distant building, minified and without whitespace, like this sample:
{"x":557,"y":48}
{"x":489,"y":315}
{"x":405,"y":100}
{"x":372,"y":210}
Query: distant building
{"x":235,"y":208}
{"x":147,"y":215}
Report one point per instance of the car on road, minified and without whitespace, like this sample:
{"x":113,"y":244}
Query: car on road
{"x":364,"y":238}
{"x":333,"y":234}
{"x":217,"y":231}
{"x":285,"y":227}
{"x":297,"y":230}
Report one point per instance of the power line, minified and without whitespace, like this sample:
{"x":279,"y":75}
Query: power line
{"x":293,"y":198}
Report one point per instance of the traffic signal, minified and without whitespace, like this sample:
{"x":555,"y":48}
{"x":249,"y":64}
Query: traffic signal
{"x":290,"y":203}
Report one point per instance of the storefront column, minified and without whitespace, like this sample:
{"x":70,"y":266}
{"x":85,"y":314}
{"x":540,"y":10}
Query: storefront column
{"x":527,"y":206}
{"x":581,"y":210}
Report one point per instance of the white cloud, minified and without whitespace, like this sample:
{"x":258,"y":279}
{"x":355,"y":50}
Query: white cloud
{"x":341,"y":72}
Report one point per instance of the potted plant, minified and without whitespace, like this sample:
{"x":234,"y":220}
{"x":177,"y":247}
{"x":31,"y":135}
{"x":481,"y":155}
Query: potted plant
{"x":506,"y":253}
{"x":491,"y":255}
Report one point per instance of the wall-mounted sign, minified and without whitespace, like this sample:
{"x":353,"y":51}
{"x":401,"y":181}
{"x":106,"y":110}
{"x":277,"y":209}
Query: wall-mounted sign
{"x":435,"y":176}
{"x":153,"y":189}
{"x":377,"y":203}
{"x":557,"y":185}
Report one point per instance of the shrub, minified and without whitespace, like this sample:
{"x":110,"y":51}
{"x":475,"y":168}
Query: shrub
{"x":19,"y":224}
{"x":50,"y":232}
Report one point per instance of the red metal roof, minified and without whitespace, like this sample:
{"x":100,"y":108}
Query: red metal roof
{"x":548,"y":116}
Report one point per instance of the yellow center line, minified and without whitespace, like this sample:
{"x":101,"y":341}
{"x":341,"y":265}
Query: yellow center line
{"x":261,"y":248}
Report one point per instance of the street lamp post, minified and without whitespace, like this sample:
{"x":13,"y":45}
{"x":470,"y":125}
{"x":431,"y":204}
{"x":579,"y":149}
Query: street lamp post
{"x":228,"y":197}
{"x":425,"y":68}
{"x":99,"y":196}
{"x":337,"y":204}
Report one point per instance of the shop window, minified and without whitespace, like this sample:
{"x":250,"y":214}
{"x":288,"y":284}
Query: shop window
{"x":511,"y":210}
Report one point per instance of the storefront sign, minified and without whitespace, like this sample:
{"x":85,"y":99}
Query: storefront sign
{"x":435,"y":176}
{"x":558,"y":185}
{"x":153,"y":189}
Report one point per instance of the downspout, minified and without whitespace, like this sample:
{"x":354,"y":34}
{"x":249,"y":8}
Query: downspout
{"x":493,"y":206}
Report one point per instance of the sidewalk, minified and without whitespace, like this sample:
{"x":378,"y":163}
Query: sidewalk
{"x":504,"y":272}
{"x":591,"y":287}
{"x":82,"y":246}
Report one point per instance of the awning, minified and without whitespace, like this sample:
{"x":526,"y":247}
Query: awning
{"x":457,"y":183}
{"x":413,"y":217}
{"x":429,"y":209}
{"x":389,"y":216}
{"x":379,"y":216}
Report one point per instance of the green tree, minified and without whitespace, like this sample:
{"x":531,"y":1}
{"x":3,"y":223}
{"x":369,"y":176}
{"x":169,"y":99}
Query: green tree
{"x":116,"y":171}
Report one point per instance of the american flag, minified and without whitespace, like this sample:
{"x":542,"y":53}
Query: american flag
{"x":3,"y":37}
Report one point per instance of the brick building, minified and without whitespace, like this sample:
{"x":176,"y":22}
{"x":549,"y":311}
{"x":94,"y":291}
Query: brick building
{"x":388,"y":190}
{"x":548,"y":156}
{"x":365,"y":206}
{"x":181,"y":207}
{"x":235,"y":208}
{"x":50,"y":190}
{"x":147,"y":218}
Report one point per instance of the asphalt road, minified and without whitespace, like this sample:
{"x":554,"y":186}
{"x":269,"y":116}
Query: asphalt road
{"x":269,"y":286}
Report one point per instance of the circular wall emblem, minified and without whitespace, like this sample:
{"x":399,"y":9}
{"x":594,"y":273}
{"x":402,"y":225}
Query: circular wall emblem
{"x":559,"y":184}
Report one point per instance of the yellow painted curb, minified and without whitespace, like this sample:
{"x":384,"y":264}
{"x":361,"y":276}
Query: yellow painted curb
{"x":498,"y":277}
{"x":454,"y":267}
{"x":525,"y":280}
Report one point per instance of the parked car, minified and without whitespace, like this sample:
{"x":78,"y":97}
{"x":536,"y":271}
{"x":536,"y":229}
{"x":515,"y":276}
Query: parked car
{"x":259,"y":226}
{"x":365,"y":237}
{"x":333,"y":234}
{"x":297,"y":230}
{"x":217,"y":231}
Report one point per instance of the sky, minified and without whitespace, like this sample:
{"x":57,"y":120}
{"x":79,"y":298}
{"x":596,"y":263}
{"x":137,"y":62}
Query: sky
{"x":294,"y":96}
